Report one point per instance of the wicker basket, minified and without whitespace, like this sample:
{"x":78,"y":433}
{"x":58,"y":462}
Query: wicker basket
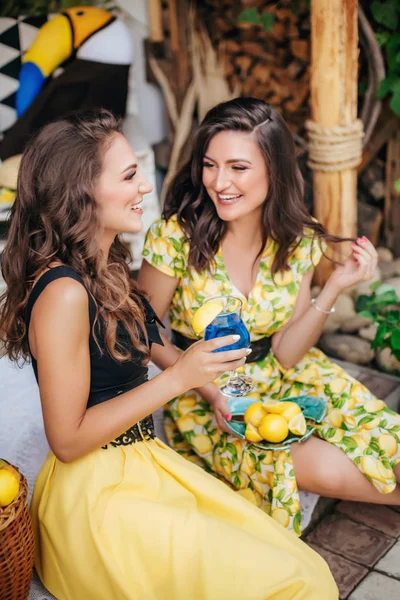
{"x":16,"y":547}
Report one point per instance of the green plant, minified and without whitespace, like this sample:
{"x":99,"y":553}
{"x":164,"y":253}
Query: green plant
{"x":253,"y":16}
{"x":383,"y":307}
{"x":387,"y":15}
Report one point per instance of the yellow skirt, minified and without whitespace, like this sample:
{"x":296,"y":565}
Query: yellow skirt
{"x":140,"y":522}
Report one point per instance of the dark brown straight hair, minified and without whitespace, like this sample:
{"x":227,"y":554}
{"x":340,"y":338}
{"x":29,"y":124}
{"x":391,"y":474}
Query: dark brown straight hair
{"x":54,"y":220}
{"x":285,"y":218}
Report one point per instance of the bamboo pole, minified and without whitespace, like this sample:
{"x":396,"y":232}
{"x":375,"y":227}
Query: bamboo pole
{"x":334,"y":66}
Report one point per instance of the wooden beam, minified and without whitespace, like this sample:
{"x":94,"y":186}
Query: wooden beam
{"x":334,"y":66}
{"x":392,"y":198}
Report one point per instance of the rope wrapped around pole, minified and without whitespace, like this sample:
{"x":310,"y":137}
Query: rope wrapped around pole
{"x":334,"y":148}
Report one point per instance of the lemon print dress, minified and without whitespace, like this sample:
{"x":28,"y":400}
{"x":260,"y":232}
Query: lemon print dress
{"x":133,"y":520}
{"x":356,"y":422}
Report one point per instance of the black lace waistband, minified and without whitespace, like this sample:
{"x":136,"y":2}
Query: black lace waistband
{"x":142,"y":430}
{"x":260,"y":348}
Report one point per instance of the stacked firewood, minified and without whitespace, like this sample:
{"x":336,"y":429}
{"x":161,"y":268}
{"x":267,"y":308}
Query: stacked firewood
{"x":271,"y":65}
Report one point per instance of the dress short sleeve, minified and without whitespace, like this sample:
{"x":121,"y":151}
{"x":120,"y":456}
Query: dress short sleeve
{"x":309,"y":252}
{"x":166,"y":248}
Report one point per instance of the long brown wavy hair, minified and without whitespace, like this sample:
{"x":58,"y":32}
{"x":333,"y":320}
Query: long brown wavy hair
{"x":285,"y":218}
{"x":54,"y":219}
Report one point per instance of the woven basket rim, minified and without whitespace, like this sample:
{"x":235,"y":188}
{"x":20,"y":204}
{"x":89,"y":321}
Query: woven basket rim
{"x":13,"y":510}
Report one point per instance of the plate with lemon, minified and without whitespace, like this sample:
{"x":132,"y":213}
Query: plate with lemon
{"x":275,"y":424}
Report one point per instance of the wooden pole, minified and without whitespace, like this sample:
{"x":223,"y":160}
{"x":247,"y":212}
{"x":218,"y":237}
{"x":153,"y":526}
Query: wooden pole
{"x":392,"y":197}
{"x":334,"y":65}
{"x":156,"y":33}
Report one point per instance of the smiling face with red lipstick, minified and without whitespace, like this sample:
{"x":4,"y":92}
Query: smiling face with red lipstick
{"x":235,"y":175}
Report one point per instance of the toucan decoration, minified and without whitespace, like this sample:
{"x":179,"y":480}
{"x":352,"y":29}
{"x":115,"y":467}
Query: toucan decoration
{"x":95,"y":50}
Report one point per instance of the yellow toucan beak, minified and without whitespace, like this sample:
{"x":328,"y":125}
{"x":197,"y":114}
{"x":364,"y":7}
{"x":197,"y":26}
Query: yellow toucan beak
{"x":55,"y":42}
{"x":52,"y":46}
{"x":85,"y":21}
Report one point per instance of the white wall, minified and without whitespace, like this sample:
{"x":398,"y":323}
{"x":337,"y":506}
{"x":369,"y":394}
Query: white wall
{"x":144,"y":99}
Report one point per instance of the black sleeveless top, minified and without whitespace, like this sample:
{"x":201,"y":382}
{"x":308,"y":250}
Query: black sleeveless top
{"x":108,"y":378}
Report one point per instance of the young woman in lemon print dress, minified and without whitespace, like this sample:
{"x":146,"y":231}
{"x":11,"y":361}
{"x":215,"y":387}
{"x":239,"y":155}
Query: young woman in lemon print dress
{"x":117,"y":514}
{"x":234,"y":223}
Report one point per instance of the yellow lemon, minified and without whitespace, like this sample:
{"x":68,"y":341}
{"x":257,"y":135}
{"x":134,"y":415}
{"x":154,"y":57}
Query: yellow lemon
{"x":187,"y":298}
{"x":360,"y":441}
{"x":270,"y":478}
{"x":280,"y":467}
{"x":288,"y":409}
{"x":281,"y":515}
{"x":268,"y":295}
{"x":243,"y":482}
{"x":308,"y":375}
{"x":9,"y":485}
{"x":263,"y":318}
{"x":201,"y":419}
{"x":254,"y":414}
{"x":388,"y":489}
{"x":197,"y":281}
{"x":336,"y":417}
{"x":372,"y":424}
{"x":216,"y":436}
{"x":202,"y":443}
{"x":266,"y":371}
{"x":257,"y":486}
{"x":280,"y":315}
{"x":384,"y":471}
{"x":374,"y":406}
{"x":248,"y":467}
{"x":274,"y":428}
{"x":256,"y":292}
{"x":351,"y":403}
{"x":186,"y":404}
{"x":337,"y":386}
{"x":283,"y":278}
{"x":357,"y":389}
{"x":249,"y":495}
{"x":239,"y":448}
{"x":291,"y":486}
{"x":186,"y":423}
{"x":302,"y":253}
{"x":251,"y":434}
{"x":206,"y":314}
{"x":369,"y":466}
{"x":212,"y":287}
{"x":388,"y":444}
{"x":350,"y":421}
{"x":295,"y":507}
{"x":298,"y":425}
{"x":160,"y":246}
{"x":217,"y":464}
{"x":267,"y":460}
{"x":337,"y":437}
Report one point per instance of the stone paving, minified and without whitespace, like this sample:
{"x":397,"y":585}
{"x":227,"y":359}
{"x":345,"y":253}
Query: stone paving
{"x":361,"y":542}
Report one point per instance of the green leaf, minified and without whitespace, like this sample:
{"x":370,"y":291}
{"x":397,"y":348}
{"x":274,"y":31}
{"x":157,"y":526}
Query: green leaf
{"x":367,"y":314}
{"x":267,"y":20}
{"x":395,"y":340}
{"x":365,"y":420}
{"x":382,"y":37}
{"x":385,"y":13}
{"x":395,"y":103}
{"x":362,"y":302}
{"x":386,"y":84}
{"x":250,"y":15}
{"x":397,"y":186}
{"x":350,"y":444}
{"x":281,"y":495}
{"x":297,"y":524}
